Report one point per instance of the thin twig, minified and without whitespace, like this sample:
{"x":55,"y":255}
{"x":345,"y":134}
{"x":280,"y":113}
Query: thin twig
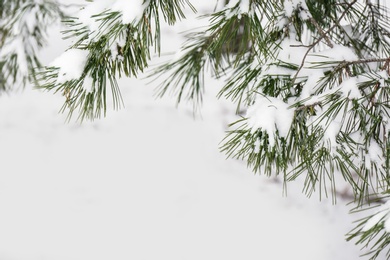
{"x":299,"y":45}
{"x":347,"y":63}
{"x":319,"y":39}
{"x":322,"y":33}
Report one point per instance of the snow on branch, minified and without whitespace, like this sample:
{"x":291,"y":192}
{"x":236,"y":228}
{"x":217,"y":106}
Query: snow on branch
{"x":23,"y":28}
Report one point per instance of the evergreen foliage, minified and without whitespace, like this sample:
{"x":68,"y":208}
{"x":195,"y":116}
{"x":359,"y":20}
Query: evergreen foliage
{"x":114,"y":49}
{"x":312,"y":76}
{"x":23,"y":26}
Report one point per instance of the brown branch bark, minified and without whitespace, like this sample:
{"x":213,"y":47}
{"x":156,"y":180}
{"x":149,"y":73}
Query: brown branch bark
{"x":322,"y":33}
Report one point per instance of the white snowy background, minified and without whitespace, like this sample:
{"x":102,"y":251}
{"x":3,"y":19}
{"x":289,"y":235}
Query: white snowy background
{"x":147,"y":182}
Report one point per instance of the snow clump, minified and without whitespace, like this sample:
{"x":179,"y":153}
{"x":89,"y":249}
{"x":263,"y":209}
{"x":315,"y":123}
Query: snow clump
{"x":382,"y":215}
{"x":70,"y":64}
{"x":270,"y":114}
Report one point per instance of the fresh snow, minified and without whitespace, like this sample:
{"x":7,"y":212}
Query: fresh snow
{"x":70,"y":64}
{"x":16,"y":47}
{"x":131,"y":10}
{"x":244,"y":5}
{"x":349,"y":88}
{"x":382,"y":215}
{"x":270,"y":114}
{"x":86,"y":14}
{"x":337,"y":53}
{"x":291,"y":5}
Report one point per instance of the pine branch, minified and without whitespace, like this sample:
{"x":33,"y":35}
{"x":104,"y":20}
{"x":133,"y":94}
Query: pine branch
{"x":323,"y":36}
{"x":322,"y":33}
{"x":23,"y":30}
{"x":114,"y":49}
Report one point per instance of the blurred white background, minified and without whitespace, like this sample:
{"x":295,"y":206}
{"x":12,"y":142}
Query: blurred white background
{"x":147,"y":182}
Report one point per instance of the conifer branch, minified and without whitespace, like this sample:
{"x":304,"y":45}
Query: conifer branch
{"x":333,"y":123}
{"x":365,"y":61}
{"x":322,"y":33}
{"x":322,"y":36}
